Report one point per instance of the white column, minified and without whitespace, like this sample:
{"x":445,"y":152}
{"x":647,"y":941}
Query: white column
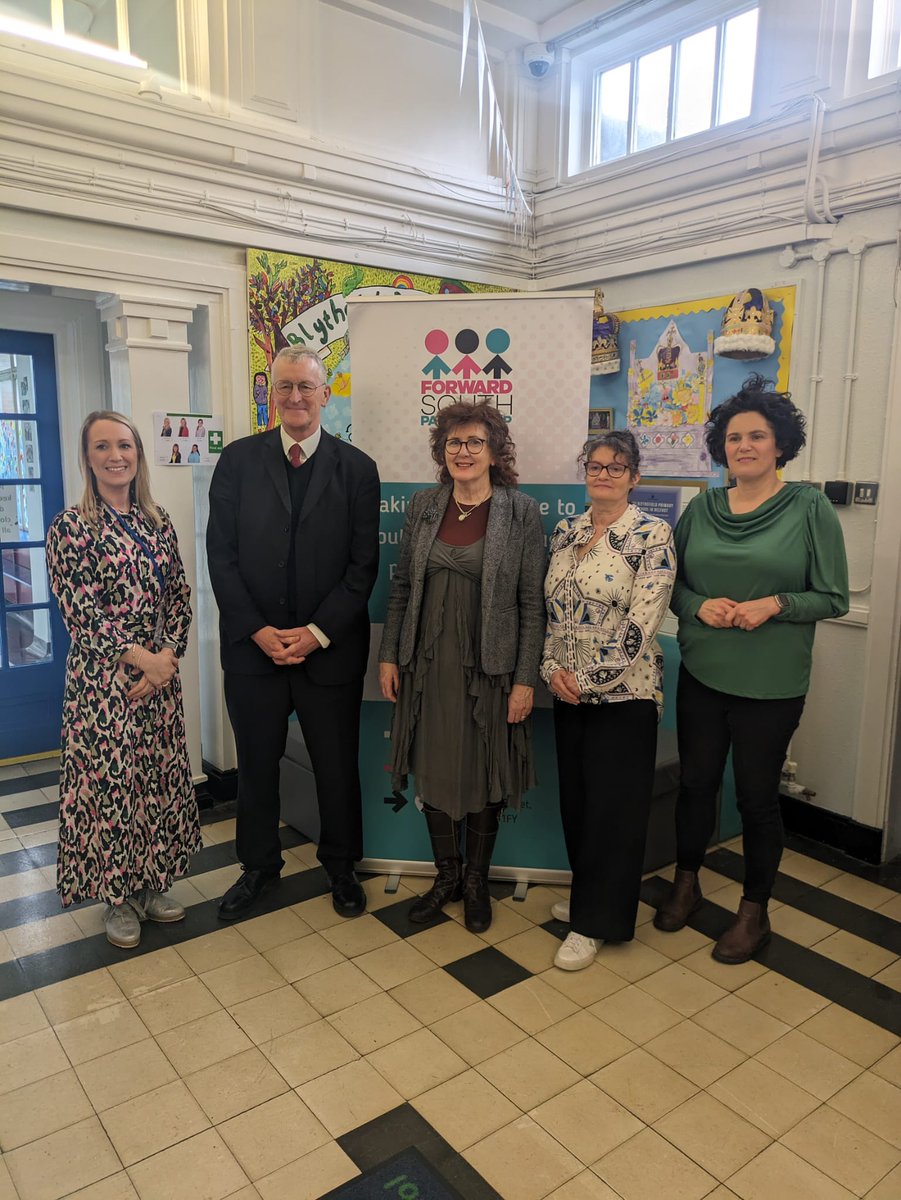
{"x":148,"y":351}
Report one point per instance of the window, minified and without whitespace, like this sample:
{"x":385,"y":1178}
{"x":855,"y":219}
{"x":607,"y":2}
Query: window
{"x":885,"y":42}
{"x":678,"y":87}
{"x":136,"y":33}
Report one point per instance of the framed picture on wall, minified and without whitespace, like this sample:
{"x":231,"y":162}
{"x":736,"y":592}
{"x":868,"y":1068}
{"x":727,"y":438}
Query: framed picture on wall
{"x":666,"y":498}
{"x":599,"y":420}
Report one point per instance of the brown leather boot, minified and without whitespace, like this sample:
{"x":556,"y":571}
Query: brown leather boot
{"x":684,"y":899}
{"x":748,"y":933}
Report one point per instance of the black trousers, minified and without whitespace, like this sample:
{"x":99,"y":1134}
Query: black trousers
{"x":605,"y":760}
{"x":259,"y":707}
{"x":759,"y":732}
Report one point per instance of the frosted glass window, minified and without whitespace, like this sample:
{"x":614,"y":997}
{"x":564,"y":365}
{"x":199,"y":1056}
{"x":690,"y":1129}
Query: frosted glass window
{"x":652,"y":99}
{"x":153,"y":34}
{"x":612,"y":113}
{"x":95,"y":22}
{"x":35,"y":11}
{"x":694,"y":83}
{"x":885,"y":42}
{"x":737,"y":69}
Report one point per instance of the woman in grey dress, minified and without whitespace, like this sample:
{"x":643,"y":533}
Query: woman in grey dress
{"x":460,"y":651}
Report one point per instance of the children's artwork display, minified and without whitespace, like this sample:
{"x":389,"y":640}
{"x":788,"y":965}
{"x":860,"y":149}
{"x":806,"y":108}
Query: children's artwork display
{"x":674,"y":378}
{"x":293,"y":300}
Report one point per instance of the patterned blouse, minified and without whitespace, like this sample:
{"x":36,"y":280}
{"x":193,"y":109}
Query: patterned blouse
{"x":603,"y":611}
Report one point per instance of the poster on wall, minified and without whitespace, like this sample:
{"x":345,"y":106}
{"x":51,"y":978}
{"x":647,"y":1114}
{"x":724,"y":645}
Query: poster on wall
{"x":294,"y":300}
{"x":186,"y":439}
{"x":412,"y":356}
{"x":674,"y":377}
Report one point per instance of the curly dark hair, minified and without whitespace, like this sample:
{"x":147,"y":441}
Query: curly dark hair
{"x":621,"y":441}
{"x":452,"y":416}
{"x":759,"y":395}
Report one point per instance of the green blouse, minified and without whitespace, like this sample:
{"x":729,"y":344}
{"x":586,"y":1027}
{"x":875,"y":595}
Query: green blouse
{"x":791,"y":544}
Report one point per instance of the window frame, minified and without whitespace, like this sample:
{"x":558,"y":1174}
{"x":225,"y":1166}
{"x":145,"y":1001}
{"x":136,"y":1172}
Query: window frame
{"x":857,"y":79}
{"x":192,"y":31}
{"x":591,"y":59}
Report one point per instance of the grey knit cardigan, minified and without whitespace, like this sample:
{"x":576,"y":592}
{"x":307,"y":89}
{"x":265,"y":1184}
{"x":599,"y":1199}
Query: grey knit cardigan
{"x":513,"y":568}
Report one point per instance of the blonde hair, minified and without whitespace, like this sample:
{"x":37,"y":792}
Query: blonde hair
{"x":90,"y":505}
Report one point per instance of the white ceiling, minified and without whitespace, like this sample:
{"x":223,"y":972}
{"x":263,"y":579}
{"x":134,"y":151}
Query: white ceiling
{"x":506,"y":23}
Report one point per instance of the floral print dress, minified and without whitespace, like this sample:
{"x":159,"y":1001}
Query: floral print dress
{"x":127,"y":813}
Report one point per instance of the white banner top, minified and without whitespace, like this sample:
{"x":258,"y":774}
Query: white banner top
{"x":527,"y":353}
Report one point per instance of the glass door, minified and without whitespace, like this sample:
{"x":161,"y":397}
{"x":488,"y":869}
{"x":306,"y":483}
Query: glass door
{"x":33,"y":642}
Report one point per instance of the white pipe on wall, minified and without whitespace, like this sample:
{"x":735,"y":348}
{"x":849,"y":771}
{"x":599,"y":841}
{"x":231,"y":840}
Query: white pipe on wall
{"x":856,"y":248}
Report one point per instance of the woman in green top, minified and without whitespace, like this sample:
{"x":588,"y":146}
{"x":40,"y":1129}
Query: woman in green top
{"x":758,"y":565}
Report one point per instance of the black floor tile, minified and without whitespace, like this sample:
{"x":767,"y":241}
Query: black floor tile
{"x":487,"y":972}
{"x":407,"y":1174}
{"x":887,"y":874}
{"x":13,"y":981}
{"x":816,"y":902}
{"x":15,"y":861}
{"x":396,"y":918}
{"x":834,"y":981}
{"x":389,"y":1135}
{"x":29,"y":908}
{"x":559,"y":929}
{"x":90,"y":953}
{"x":16,"y":818}
{"x":63,"y":962}
{"x":28,"y":783}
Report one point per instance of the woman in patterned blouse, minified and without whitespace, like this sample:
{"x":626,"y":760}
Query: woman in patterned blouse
{"x":607,"y":590}
{"x":127,"y":811}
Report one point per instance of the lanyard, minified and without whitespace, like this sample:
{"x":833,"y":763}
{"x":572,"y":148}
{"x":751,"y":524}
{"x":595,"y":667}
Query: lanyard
{"x":138,"y":540}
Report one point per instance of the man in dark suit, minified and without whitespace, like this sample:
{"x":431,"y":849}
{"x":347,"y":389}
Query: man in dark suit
{"x":292,"y":543}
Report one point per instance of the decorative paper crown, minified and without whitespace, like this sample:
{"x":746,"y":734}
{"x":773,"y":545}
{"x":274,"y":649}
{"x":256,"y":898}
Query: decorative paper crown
{"x":604,"y":349}
{"x":747,"y":326}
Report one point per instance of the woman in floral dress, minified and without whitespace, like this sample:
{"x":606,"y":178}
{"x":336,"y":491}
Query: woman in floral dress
{"x":128,"y":820}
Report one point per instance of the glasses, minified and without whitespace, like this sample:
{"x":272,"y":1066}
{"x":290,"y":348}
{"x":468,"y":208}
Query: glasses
{"x":284,"y":388}
{"x":474,"y":445}
{"x":614,"y":469}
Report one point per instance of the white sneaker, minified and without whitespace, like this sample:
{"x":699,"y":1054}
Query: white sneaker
{"x":560,"y":910}
{"x":577,"y":952}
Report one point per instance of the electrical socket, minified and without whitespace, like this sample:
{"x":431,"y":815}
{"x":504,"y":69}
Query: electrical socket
{"x":866,"y":493}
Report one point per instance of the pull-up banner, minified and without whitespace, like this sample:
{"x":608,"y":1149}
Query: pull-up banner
{"x":529,"y":356}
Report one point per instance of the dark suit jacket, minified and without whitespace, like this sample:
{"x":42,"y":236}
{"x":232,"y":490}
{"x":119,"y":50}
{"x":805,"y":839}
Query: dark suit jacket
{"x":513,"y":566}
{"x":336,"y":547}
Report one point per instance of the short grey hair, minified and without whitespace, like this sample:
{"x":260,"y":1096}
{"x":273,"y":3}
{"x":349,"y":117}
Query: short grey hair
{"x":294,"y":354}
{"x":621,"y":441}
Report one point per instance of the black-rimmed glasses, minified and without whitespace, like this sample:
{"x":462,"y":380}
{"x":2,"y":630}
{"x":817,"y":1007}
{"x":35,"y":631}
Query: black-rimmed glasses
{"x":474,"y":445}
{"x":614,"y":469}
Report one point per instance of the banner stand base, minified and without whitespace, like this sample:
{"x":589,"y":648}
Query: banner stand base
{"x":393,"y":868}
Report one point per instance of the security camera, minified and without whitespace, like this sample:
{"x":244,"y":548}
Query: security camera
{"x":539,"y":59}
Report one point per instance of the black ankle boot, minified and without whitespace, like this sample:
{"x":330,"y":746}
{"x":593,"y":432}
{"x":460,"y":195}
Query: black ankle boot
{"x":448,"y":886}
{"x":481,"y":834}
{"x":444,"y":834}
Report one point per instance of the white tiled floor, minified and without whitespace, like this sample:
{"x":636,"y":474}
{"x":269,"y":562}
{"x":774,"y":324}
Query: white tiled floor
{"x":227,"y":1066}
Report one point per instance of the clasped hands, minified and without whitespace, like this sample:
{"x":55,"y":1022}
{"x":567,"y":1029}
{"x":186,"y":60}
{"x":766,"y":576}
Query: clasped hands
{"x":722,"y":613}
{"x":157,"y":668}
{"x":286,"y":647}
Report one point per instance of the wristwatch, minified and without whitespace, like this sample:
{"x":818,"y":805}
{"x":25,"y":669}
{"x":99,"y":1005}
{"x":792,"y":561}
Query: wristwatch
{"x":782,"y":600}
